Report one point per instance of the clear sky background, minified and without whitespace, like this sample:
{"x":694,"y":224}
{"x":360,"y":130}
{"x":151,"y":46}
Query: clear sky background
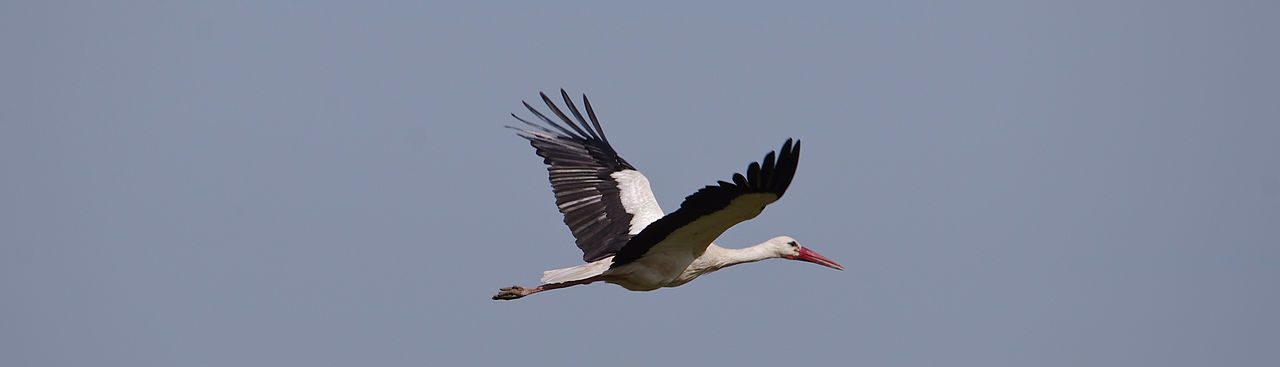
{"x":1010,"y":183}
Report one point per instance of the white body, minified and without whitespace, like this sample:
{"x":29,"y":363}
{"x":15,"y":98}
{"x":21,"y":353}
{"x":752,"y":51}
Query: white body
{"x":670,"y":270}
{"x":685,"y":254}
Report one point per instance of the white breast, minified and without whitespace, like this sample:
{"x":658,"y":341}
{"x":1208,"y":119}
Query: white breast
{"x":652,"y":271}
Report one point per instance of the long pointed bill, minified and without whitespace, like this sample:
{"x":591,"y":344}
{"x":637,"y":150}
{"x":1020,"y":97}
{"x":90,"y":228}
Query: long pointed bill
{"x":809,"y":255}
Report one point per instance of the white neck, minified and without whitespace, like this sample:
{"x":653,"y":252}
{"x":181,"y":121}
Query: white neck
{"x":719,"y":257}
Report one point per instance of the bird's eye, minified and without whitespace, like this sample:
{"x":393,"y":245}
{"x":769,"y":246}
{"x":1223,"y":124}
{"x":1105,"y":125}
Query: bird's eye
{"x":793,"y":244}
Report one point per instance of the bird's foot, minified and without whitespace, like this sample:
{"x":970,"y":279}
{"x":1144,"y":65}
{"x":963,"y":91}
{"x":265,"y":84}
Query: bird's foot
{"x":513,"y":292}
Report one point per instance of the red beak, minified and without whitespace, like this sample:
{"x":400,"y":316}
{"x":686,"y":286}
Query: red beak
{"x":809,"y":255}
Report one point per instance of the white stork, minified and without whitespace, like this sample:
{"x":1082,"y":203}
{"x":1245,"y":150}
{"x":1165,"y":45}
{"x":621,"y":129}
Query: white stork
{"x":624,"y":236}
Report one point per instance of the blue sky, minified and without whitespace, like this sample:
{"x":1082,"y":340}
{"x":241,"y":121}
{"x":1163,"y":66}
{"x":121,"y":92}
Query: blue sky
{"x":272,"y":183}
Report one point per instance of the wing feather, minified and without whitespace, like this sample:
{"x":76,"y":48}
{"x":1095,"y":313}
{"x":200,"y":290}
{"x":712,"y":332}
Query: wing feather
{"x":602,"y":211}
{"x":709,"y":212}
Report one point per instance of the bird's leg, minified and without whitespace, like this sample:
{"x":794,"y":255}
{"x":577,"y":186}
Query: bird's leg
{"x":516,"y":292}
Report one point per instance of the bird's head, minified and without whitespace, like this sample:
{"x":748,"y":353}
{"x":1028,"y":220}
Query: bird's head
{"x":788,"y":248}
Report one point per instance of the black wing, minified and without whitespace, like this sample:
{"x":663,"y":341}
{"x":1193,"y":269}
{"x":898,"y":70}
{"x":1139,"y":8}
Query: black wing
{"x":709,"y":212}
{"x":582,"y":167}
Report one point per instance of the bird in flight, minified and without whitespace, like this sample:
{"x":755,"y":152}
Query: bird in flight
{"x":624,"y":236}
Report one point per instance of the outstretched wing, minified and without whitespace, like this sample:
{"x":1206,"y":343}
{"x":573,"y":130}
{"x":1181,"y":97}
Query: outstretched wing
{"x":604,"y":199}
{"x":709,"y":212}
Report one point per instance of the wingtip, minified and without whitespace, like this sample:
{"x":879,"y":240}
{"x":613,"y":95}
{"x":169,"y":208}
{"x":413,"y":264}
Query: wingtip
{"x":792,"y":146}
{"x":546,"y":99}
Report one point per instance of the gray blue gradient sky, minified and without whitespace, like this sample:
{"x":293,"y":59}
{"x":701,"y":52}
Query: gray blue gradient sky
{"x":1010,"y":183}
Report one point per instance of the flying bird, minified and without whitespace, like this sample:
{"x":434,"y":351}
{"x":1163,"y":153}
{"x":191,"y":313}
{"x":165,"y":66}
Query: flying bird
{"x":625,"y":238}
